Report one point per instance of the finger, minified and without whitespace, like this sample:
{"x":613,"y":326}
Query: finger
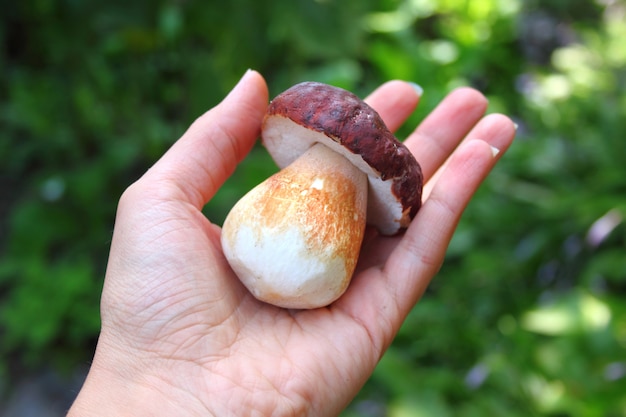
{"x":394,"y":101}
{"x":382,"y":304}
{"x":495,"y":129}
{"x":443,"y":129}
{"x":420,"y":253}
{"x":208,"y":152}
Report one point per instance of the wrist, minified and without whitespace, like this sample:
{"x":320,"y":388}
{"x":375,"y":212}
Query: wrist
{"x":113,"y":388}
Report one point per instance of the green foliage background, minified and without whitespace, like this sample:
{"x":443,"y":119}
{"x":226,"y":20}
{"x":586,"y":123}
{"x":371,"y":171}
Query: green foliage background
{"x":527,"y":316}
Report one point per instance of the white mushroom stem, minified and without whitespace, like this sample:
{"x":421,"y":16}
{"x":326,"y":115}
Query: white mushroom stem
{"x":294,"y":239}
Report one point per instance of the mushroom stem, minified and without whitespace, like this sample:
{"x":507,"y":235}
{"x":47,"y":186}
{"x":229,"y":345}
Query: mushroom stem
{"x":294,"y":239}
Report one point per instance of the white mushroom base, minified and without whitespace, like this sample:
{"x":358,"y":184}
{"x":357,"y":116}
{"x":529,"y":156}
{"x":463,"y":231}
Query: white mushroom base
{"x":294,"y":240}
{"x":283,"y":273}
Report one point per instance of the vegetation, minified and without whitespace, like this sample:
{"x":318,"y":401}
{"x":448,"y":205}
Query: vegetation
{"x":527,"y":316}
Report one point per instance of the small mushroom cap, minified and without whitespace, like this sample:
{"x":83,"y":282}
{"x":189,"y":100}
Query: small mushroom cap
{"x":312,"y":112}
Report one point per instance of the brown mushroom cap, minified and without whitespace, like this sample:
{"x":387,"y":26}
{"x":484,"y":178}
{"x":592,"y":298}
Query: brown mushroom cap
{"x":311,"y":112}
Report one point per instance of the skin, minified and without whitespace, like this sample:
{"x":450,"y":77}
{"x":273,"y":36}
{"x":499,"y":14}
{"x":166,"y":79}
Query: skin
{"x":180,"y":334}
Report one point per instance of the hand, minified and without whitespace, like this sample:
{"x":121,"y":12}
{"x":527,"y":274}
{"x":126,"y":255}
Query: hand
{"x":180,"y":334}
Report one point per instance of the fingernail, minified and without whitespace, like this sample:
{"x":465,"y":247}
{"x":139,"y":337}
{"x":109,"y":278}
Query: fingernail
{"x":516,"y":126}
{"x":241,"y":80}
{"x":245,"y":74}
{"x":494,"y":151}
{"x":418,"y":88}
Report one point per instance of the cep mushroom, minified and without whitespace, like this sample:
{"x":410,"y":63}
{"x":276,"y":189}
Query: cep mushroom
{"x":294,"y":240}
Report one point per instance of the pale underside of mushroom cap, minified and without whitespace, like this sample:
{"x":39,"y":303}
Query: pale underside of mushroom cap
{"x":310,"y":113}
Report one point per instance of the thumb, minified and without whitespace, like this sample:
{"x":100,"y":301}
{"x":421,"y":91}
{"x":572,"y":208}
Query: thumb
{"x":196,"y":166}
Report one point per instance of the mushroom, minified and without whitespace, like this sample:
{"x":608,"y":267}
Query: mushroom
{"x":294,"y":240}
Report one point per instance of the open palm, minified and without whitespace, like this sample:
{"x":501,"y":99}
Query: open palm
{"x":181,"y":335}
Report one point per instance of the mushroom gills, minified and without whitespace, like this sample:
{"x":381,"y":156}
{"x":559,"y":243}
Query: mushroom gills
{"x":294,"y":240}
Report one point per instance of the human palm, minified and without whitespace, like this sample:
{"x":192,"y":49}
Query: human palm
{"x":182,"y":336}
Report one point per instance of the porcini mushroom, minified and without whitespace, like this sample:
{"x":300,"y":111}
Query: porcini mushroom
{"x":294,"y":240}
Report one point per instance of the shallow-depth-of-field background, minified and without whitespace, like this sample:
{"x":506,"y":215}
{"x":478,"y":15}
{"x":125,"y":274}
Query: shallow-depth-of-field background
{"x":528,"y":314}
